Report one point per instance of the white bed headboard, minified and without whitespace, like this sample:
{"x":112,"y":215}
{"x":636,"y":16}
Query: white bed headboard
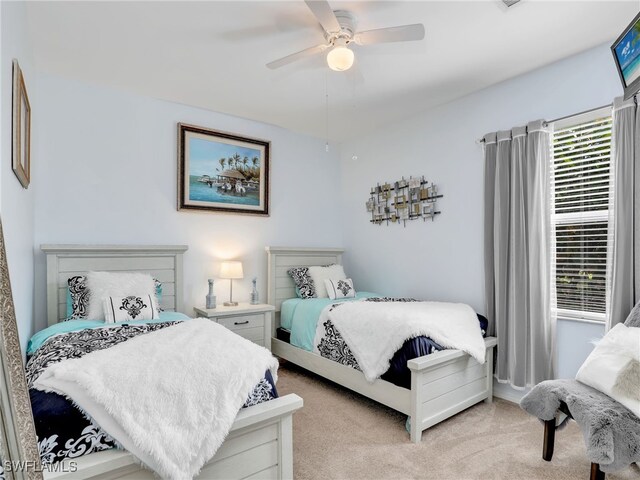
{"x":280,"y":285}
{"x":163,"y":262}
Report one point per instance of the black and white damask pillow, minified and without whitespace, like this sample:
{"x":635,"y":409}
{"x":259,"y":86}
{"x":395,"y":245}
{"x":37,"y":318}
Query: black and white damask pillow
{"x":340,"y":288}
{"x":320,"y":273}
{"x":305,"y":288}
{"x":79,"y":295}
{"x":131,"y":307}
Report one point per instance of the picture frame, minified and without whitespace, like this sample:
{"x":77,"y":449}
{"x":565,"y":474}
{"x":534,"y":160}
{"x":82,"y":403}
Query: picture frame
{"x":21,"y":128}
{"x":222,"y":172}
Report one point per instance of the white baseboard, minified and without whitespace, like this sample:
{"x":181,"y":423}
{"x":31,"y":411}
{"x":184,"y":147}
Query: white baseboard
{"x":507,"y":392}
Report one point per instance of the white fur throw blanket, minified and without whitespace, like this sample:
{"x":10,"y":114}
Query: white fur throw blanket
{"x":375,"y":331}
{"x":169,"y":397}
{"x":613,"y":367}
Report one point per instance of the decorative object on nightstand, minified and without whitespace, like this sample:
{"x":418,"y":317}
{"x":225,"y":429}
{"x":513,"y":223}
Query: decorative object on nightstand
{"x":252,"y":322}
{"x":255,"y":297}
{"x":231,"y":270}
{"x":211,"y":298}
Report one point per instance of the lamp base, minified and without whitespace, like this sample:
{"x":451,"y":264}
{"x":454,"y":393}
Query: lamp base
{"x":230,"y":304}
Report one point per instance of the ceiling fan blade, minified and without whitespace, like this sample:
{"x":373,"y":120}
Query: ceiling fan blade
{"x":323,"y":12}
{"x":308,"y":52}
{"x":391,"y":34}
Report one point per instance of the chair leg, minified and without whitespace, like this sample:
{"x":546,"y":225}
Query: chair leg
{"x":549,"y":439}
{"x":596,"y":473}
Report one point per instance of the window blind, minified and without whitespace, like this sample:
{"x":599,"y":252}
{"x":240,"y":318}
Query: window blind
{"x":580,"y":217}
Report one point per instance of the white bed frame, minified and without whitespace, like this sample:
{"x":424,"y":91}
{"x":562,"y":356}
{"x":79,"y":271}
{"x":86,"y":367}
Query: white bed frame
{"x":260,"y":443}
{"x":442,"y":384}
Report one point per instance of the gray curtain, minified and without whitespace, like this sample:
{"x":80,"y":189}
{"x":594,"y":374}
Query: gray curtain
{"x":625,"y":211}
{"x":517,"y":249}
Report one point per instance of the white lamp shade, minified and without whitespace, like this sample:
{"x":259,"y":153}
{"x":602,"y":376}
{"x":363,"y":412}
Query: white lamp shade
{"x":340,"y":58}
{"x":231,"y":270}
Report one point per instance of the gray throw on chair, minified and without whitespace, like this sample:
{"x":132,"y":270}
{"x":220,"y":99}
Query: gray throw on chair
{"x":611,"y":432}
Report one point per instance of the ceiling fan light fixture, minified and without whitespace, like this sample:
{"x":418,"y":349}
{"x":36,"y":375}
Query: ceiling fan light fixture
{"x":340,"y":58}
{"x":340,"y":31}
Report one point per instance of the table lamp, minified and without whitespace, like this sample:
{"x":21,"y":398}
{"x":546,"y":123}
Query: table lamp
{"x":231,"y":270}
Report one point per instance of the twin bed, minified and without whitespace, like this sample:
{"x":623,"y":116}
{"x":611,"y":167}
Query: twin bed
{"x":442,"y":383}
{"x":259,"y":444}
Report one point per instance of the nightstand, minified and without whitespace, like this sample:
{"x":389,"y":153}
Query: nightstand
{"x":252,"y":322}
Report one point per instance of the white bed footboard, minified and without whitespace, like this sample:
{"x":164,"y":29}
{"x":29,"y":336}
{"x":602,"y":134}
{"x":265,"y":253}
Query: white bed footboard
{"x":442,"y":383}
{"x":445,"y":383}
{"x":259,"y":445}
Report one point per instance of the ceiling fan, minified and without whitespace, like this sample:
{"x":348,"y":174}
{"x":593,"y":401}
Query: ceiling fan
{"x":340,"y":31}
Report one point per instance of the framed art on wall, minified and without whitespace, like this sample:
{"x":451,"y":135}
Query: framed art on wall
{"x":222,"y":172}
{"x":21,"y":128}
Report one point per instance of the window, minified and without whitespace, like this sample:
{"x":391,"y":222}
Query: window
{"x":580,"y":214}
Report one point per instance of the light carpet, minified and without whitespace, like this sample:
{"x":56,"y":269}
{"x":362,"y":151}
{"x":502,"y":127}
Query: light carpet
{"x":339,"y":434}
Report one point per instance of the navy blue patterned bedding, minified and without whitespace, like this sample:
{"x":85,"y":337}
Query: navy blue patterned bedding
{"x":62,"y":429}
{"x":333,"y":347}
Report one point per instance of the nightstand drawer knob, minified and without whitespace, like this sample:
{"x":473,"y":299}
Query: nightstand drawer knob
{"x":241,"y":323}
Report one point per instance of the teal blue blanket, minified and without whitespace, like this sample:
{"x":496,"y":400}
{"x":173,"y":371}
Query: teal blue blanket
{"x":300,"y":316}
{"x":72,"y":325}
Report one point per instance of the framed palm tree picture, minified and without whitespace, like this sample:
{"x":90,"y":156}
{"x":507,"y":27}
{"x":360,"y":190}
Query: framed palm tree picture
{"x":222,"y":172}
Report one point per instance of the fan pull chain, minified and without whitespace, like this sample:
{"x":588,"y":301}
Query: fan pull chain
{"x":326,"y":103}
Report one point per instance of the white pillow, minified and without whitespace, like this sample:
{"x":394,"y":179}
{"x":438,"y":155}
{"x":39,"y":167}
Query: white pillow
{"x":340,"y":288}
{"x":115,"y":284}
{"x":320,"y":274}
{"x":613,"y":360}
{"x":132,"y":307}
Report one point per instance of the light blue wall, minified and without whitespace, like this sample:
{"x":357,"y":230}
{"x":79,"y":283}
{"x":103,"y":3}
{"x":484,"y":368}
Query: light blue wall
{"x":17,"y":205}
{"x":574,"y":340}
{"x":444,"y":259}
{"x":109,"y":158}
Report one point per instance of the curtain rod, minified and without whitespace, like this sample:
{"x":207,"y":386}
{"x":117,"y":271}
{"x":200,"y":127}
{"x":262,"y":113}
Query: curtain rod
{"x":609,"y":105}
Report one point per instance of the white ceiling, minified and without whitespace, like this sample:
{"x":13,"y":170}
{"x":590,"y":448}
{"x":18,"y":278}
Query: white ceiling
{"x":213,"y":54}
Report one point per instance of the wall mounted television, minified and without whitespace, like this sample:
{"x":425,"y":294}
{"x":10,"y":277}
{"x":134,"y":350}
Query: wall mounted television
{"x":626,"y":53}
